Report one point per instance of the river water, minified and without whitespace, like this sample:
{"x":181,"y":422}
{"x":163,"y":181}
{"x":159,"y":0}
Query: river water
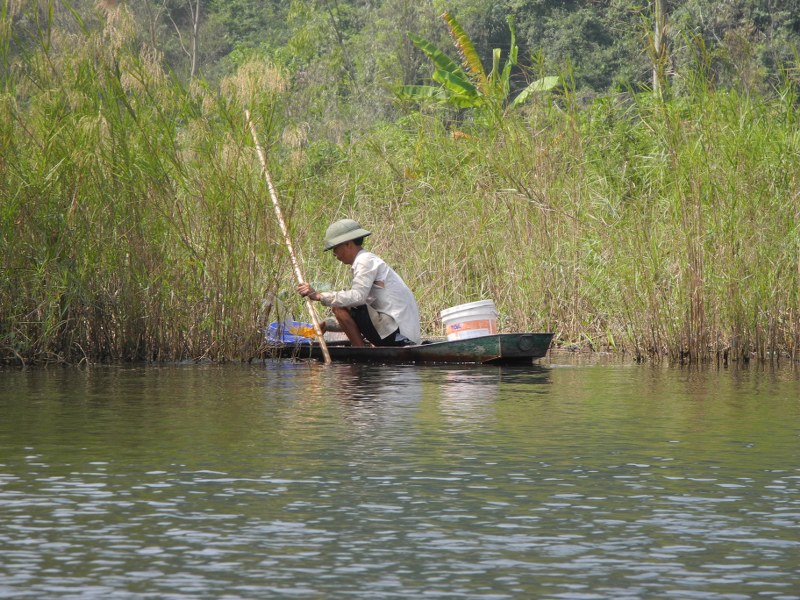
{"x":571,"y":479}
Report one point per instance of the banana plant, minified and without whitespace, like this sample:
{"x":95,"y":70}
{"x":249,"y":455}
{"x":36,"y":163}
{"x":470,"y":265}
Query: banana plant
{"x":467,"y":85}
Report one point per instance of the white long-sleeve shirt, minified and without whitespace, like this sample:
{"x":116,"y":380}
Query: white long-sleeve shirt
{"x":390,"y":303}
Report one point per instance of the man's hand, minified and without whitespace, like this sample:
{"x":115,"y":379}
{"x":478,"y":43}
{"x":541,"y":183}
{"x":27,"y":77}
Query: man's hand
{"x":307,"y":291}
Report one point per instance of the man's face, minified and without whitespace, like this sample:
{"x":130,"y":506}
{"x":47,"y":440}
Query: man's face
{"x":346,"y":252}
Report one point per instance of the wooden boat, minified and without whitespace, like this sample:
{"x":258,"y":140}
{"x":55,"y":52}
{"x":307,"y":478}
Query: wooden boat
{"x":499,"y":349}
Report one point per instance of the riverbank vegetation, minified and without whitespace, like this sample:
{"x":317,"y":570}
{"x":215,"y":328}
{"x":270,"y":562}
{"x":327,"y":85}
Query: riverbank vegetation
{"x":135,"y":223}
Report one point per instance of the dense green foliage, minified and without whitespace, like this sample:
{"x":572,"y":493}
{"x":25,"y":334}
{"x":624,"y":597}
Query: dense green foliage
{"x":135,"y":224}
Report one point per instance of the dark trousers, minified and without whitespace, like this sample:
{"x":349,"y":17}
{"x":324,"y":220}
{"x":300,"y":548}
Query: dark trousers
{"x":360,"y":315}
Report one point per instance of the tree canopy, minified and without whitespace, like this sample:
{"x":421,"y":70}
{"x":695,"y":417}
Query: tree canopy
{"x":341,"y":48}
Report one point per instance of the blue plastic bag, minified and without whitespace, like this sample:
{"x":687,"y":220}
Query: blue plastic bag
{"x":278,"y":332}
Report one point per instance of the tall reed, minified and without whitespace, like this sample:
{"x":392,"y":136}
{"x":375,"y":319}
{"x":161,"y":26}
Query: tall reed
{"x":656,"y":228}
{"x":134,"y":224}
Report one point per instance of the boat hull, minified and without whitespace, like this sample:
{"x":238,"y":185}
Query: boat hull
{"x":499,"y":349}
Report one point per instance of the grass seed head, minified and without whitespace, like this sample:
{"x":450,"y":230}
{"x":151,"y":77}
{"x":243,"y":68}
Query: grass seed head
{"x":252,"y":81}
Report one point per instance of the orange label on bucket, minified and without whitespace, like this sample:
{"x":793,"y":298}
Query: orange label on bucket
{"x":487,"y":325}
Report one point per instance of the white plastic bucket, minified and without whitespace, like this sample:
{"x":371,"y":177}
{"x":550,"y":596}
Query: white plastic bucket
{"x":470,"y":320}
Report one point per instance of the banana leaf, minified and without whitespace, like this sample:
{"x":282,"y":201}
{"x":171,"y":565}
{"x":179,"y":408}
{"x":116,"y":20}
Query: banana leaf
{"x":512,"y":57}
{"x":421,"y":92}
{"x":544,"y":84}
{"x":464,"y":44}
{"x":439,"y":58}
{"x":456,"y":83}
{"x":493,"y":76}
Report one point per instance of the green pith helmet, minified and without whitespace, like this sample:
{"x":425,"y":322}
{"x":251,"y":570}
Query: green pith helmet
{"x":343,"y":231}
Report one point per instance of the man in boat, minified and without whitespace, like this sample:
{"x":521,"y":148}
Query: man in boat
{"x":379,"y":306}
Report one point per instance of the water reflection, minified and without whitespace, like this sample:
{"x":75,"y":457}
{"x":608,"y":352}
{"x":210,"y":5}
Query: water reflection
{"x":371,"y":396}
{"x":296,"y":479}
{"x":468,"y":395}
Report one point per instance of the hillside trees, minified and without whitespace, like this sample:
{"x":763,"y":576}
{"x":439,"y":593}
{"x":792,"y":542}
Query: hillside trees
{"x":747,"y":41}
{"x":342,"y":50}
{"x":601,"y":43}
{"x":189,"y":34}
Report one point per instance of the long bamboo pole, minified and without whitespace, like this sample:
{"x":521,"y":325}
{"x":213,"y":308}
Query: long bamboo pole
{"x":298,"y":273}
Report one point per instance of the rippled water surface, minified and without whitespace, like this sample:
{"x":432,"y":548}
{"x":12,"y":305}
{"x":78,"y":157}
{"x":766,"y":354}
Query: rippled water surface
{"x":564,"y":480}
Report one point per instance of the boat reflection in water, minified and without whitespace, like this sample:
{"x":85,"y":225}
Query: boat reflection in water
{"x":468,"y":395}
{"x":372,"y":396}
